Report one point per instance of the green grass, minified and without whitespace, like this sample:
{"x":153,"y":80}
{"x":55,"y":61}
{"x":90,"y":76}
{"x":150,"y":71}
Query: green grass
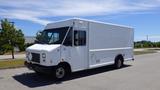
{"x":4,"y":64}
{"x":144,"y":52}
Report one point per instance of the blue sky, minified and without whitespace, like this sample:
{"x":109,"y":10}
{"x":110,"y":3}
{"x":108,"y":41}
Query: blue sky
{"x":33,"y":15}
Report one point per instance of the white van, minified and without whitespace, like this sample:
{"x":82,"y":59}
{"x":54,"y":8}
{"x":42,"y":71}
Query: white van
{"x":78,"y":44}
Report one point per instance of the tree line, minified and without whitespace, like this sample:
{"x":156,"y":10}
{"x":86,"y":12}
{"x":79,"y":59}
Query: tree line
{"x":146,"y":44}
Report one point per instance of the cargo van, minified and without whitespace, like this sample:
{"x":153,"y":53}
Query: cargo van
{"x":79,"y":44}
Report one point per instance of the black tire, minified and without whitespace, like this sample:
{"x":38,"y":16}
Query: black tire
{"x":61,"y":72}
{"x":118,"y":62}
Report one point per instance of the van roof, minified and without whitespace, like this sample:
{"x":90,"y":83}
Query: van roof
{"x":72,"y":19}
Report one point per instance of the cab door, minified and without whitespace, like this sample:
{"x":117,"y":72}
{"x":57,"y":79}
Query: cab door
{"x":79,"y":56}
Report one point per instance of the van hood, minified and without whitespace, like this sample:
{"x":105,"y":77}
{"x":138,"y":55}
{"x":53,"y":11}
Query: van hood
{"x":43,"y":47}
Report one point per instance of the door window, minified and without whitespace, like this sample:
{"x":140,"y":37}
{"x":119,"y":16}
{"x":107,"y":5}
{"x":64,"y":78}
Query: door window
{"x":79,"y":38}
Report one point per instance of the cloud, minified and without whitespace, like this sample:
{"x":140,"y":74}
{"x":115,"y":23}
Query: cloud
{"x":37,"y":10}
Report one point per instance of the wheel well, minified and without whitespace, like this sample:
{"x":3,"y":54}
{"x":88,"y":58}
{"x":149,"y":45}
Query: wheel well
{"x":66,"y":65}
{"x":119,"y":56}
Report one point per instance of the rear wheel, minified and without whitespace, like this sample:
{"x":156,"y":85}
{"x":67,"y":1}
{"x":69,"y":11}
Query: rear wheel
{"x":118,"y":62}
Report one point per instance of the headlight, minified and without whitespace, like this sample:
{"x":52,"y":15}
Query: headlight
{"x":43,"y":55}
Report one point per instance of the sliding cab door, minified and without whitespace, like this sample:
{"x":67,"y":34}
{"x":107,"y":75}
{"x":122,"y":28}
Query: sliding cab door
{"x":79,"y":51}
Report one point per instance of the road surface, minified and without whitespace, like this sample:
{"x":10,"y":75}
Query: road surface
{"x":17,"y":56}
{"x":141,"y":74}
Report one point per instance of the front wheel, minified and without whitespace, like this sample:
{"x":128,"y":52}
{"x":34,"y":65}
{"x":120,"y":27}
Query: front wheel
{"x":60,"y":72}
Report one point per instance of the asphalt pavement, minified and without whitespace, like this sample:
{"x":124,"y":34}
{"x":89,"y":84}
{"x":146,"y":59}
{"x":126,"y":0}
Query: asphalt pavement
{"x":141,"y":74}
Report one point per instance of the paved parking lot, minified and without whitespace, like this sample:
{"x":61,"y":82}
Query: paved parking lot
{"x":141,"y":74}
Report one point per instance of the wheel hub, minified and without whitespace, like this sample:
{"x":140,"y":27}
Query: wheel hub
{"x":60,"y":72}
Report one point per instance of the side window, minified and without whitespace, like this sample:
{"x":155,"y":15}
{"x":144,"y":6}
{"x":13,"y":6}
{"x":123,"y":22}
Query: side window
{"x":79,"y":38}
{"x":68,"y":40}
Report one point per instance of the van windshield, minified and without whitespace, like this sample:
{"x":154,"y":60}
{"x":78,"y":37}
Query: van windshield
{"x":53,"y":36}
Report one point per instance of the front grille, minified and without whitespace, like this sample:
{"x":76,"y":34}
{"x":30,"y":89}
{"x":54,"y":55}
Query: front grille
{"x":36,"y":57}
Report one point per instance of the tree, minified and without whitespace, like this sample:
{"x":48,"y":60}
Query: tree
{"x":39,"y":36}
{"x":10,"y":37}
{"x":146,"y":44}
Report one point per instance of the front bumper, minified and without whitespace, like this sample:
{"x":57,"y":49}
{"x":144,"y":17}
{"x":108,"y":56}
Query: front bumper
{"x":40,"y":68}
